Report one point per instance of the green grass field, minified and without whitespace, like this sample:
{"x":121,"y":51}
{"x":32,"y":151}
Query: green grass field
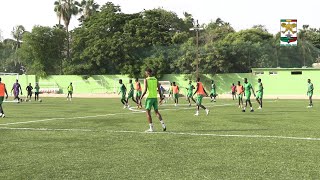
{"x":97,"y":139}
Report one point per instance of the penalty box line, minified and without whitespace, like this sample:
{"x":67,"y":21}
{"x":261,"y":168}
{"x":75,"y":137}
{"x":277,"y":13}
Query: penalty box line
{"x":169,"y":133}
{"x":132,"y":111}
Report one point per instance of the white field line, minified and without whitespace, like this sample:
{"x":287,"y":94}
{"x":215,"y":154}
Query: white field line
{"x":169,"y":133}
{"x":95,"y":116}
{"x":52,"y":119}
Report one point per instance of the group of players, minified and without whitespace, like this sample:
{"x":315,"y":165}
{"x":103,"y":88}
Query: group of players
{"x":17,"y":90}
{"x":152,"y":87}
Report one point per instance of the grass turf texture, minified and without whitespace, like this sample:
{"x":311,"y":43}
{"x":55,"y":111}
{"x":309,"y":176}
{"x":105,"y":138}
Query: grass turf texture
{"x":97,"y":139}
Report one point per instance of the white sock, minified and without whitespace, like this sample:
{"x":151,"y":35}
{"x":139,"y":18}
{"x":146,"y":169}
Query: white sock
{"x":162,"y":123}
{"x":197,"y":112}
{"x":251,"y":108}
{"x":151,"y":126}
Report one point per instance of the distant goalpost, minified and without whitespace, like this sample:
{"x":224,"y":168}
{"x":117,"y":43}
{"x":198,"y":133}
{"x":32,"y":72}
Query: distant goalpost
{"x":166,"y":85}
{"x":10,"y":74}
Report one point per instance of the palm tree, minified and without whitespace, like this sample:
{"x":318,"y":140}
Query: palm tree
{"x":88,"y":8}
{"x":219,"y":22}
{"x":58,"y":10}
{"x":69,"y":8}
{"x":17,"y":33}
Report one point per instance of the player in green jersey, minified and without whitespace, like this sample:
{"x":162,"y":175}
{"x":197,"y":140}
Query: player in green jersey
{"x":70,"y":92}
{"x":152,"y":86}
{"x":190,"y":89}
{"x":213,"y":93}
{"x":310,"y":93}
{"x":247,"y":93}
{"x":123,"y":91}
{"x":130,"y":93}
{"x":37,"y":91}
{"x":259,"y":93}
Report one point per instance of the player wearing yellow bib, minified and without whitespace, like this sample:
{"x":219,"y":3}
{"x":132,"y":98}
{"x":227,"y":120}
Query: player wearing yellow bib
{"x":152,"y":86}
{"x":247,"y":93}
{"x":3,"y":90}
{"x":259,"y":93}
{"x":70,"y":91}
{"x":310,"y":93}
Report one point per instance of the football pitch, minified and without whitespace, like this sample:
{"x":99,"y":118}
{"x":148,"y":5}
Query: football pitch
{"x":98,"y":139}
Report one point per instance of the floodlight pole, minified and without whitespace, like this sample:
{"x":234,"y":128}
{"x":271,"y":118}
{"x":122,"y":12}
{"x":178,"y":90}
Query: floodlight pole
{"x":197,"y":29}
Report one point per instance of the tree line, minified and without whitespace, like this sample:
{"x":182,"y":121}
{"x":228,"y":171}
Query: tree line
{"x":109,"y":41}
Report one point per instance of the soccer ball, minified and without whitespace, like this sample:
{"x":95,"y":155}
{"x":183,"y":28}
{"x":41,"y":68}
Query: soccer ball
{"x":40,"y":100}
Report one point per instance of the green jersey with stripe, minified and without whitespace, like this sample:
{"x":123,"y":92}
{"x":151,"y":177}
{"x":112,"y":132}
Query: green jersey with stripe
{"x":190,"y":88}
{"x":122,"y":89}
{"x":247,"y":88}
{"x":310,"y":87}
{"x":213,"y":87}
{"x":37,"y":88}
{"x":260,"y":88}
{"x":152,"y":87}
{"x":131,"y":87}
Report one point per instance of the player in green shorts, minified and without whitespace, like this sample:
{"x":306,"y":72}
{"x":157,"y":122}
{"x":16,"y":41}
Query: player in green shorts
{"x":175,"y":91}
{"x":190,"y":89}
{"x":200,"y":91}
{"x":123,"y":91}
{"x":259,"y":93}
{"x":310,"y":93}
{"x":151,"y":86}
{"x":247,"y":93}
{"x":213,"y":92}
{"x":130,"y":93}
{"x":138,"y":93}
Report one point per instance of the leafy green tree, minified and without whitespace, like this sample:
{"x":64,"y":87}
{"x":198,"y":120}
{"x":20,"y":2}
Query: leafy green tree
{"x":41,"y":50}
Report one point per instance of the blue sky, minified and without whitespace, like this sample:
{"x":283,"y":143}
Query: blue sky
{"x":241,"y":14}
